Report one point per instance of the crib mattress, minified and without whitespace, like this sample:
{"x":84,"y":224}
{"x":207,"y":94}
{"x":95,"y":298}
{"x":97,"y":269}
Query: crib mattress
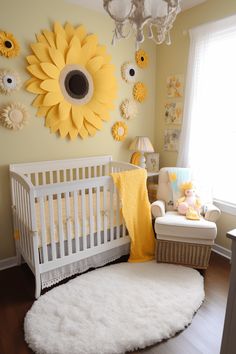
{"x":87,"y":223}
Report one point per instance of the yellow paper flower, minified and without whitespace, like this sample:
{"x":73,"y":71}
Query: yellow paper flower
{"x":141,"y":58}
{"x":9,"y":46}
{"x":14,"y":116}
{"x":140,"y":91}
{"x":119,"y":131}
{"x":128,"y":109}
{"x":73,"y":79}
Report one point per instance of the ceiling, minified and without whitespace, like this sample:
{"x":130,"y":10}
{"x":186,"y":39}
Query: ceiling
{"x":97,"y":5}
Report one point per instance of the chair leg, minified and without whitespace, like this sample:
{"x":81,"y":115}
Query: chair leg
{"x":37,"y":286}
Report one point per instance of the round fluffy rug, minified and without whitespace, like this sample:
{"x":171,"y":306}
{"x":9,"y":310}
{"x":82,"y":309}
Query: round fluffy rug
{"x":114,"y":309}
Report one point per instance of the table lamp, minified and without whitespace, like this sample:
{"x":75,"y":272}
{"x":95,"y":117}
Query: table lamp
{"x":141,"y":144}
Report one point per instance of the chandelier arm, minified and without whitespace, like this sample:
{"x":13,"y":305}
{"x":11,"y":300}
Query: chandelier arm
{"x":115,"y":18}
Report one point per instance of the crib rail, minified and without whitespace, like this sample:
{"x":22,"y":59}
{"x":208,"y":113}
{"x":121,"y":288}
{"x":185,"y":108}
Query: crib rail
{"x":49,"y":172}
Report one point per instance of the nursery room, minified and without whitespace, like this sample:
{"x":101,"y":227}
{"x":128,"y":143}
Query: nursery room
{"x":117,"y":177}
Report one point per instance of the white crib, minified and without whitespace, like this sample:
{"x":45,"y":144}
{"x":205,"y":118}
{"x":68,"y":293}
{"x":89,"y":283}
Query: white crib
{"x":66,"y":216}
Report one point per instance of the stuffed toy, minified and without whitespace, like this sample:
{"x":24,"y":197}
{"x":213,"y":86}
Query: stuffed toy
{"x":190,"y":204}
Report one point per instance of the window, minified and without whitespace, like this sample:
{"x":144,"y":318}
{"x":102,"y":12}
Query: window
{"x":209,"y":129}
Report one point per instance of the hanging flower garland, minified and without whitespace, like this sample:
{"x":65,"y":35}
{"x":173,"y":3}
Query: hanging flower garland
{"x":73,"y":79}
{"x":140,"y":92}
{"x":119,"y":131}
{"x":9,"y":81}
{"x":141,"y":58}
{"x":14,"y":116}
{"x":129,"y":72}
{"x":9,"y":46}
{"x":128,"y":109}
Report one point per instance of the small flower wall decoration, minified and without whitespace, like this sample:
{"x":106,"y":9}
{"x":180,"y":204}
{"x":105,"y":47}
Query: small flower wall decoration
{"x":119,"y":131}
{"x":141,"y":58}
{"x":140,"y":92}
{"x":128,"y":109}
{"x":129,"y":72}
{"x":9,"y":81}
{"x":9,"y":47}
{"x":14,"y":116}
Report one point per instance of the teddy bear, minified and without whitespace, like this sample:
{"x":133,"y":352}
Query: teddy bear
{"x":190,"y":204}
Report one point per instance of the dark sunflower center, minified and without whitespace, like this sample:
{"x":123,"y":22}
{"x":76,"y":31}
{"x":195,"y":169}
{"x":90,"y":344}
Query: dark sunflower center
{"x":131,"y":72}
{"x":9,"y":81}
{"x":76,"y":84}
{"x":8,"y":44}
{"x":142,"y":58}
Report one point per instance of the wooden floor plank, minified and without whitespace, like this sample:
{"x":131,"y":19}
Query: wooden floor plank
{"x":203,"y":336}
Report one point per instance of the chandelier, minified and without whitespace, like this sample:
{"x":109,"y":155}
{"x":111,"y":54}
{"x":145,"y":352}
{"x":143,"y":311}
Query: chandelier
{"x":155,"y":16}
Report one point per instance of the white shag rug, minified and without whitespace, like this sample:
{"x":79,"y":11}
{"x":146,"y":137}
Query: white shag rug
{"x":114,"y":309}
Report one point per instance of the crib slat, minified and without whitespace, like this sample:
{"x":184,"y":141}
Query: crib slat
{"x":58,"y":177}
{"x":84,"y":221}
{"x":44,"y":177}
{"x":98,"y":212}
{"x":64,"y":175}
{"x":91,"y":218}
{"x":50,"y":177}
{"x":117,"y":214}
{"x":77,"y":173}
{"x":111,"y":211}
{"x":105,"y":213}
{"x":52,"y":226}
{"x":60,"y":226}
{"x":100,"y":170}
{"x":43,"y":229}
{"x":76,"y":223}
{"x":68,"y":223}
{"x":70,"y":174}
{"x":22,"y":223}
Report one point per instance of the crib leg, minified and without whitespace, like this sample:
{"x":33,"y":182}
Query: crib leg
{"x":37,"y":286}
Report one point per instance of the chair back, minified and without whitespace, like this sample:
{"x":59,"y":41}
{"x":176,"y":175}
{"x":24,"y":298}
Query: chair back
{"x":164,"y":187}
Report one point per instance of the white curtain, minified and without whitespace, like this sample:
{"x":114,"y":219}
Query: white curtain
{"x":208,"y":137}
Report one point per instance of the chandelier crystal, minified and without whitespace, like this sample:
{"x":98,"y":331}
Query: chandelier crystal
{"x":155,"y":16}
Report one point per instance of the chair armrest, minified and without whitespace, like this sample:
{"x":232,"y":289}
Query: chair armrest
{"x":158,"y":208}
{"x":212,"y":213}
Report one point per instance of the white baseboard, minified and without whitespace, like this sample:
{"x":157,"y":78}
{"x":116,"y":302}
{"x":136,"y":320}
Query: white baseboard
{"x":222,"y":251}
{"x":8,"y":263}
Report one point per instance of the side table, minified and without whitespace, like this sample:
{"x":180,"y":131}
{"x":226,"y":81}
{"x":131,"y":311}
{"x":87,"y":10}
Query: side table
{"x":152,"y":185}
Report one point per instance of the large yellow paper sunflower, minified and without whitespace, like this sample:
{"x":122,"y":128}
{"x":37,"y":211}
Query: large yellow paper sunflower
{"x":73,"y":79}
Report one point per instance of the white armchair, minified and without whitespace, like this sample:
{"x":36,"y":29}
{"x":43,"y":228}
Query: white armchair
{"x":180,"y":240}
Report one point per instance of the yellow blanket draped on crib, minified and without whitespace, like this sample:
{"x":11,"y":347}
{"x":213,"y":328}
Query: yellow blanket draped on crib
{"x":136,"y":213}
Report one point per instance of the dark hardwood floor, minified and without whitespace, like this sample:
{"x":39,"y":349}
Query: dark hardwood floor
{"x":203,"y":336}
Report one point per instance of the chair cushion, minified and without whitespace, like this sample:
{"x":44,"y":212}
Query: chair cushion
{"x":173,"y":226}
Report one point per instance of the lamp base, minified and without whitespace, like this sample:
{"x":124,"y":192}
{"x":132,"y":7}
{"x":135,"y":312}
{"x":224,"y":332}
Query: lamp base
{"x":142,"y":161}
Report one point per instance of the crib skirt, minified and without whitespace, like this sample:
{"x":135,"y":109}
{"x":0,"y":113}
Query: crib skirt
{"x":56,"y":275}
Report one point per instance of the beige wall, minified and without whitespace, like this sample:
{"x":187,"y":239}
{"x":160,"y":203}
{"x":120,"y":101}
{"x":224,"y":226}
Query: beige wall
{"x":173,"y":60}
{"x":24,"y":18}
